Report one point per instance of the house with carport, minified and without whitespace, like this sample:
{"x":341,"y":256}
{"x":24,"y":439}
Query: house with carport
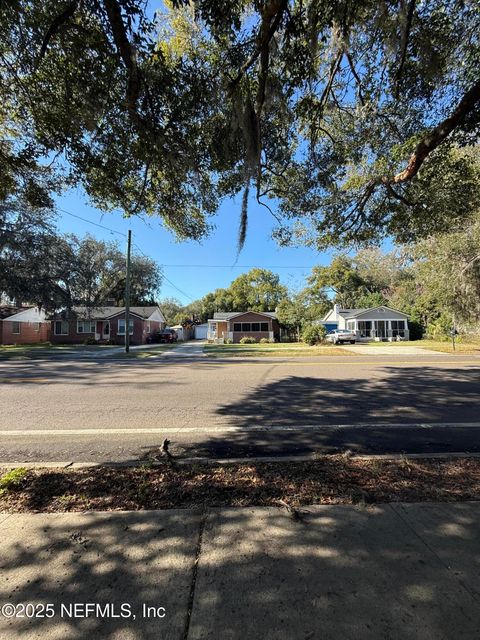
{"x":377,"y":323}
{"x":236,"y":325}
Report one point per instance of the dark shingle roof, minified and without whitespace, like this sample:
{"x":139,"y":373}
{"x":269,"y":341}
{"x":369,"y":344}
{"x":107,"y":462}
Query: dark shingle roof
{"x":221,"y":315}
{"x":101,"y":313}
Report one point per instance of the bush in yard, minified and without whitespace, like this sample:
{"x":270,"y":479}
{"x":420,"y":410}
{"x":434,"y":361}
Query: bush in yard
{"x":416,"y":330}
{"x":265,"y":341}
{"x":247,"y":340}
{"x":90,"y":340}
{"x":440,"y":328}
{"x":12,"y":479}
{"x":228,"y":341}
{"x":313,"y":333}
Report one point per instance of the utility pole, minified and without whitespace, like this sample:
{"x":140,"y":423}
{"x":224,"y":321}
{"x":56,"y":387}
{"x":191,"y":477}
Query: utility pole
{"x":127,"y":294}
{"x":454,"y":331}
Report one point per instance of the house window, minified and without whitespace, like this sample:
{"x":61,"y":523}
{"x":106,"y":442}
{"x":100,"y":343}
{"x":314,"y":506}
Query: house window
{"x":237,"y":326}
{"x":36,"y":326}
{"x":85,"y":326}
{"x":365,"y":327}
{"x":398,"y":328}
{"x":351,"y":325}
{"x":15,"y":327}
{"x":148,"y":327}
{"x":121,"y":326}
{"x":246,"y":327}
{"x":61,"y":328}
{"x":264,"y":326}
{"x":255,"y":326}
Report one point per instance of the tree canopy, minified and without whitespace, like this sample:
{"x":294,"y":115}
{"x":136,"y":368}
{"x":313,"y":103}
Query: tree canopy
{"x":356,"y":118}
{"x":38,"y":265}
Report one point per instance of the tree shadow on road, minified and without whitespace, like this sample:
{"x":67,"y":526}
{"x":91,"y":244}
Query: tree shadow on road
{"x":401,"y":397}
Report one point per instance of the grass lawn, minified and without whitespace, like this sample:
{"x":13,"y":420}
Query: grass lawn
{"x":41,"y":349}
{"x":274,"y":349}
{"x":28,"y":351}
{"x":334,"y":479}
{"x":462,"y":347}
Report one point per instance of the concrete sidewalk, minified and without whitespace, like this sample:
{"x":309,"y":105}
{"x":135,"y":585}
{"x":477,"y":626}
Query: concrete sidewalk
{"x":388,"y":571}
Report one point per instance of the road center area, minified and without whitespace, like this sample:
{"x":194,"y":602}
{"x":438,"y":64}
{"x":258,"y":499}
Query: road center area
{"x":119,"y":410}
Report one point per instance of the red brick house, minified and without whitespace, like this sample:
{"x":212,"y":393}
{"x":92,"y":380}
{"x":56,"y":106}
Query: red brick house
{"x":25,"y":326}
{"x":236,"y":325}
{"x":107,"y":323}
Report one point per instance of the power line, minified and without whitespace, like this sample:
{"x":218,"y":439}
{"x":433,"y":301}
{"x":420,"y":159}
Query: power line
{"x":164,"y":276}
{"x":124,"y":235}
{"x":102,"y":226}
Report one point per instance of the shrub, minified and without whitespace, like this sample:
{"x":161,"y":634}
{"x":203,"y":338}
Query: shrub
{"x":12,"y":479}
{"x":247,"y":340}
{"x":313,"y":333}
{"x":440,"y":328}
{"x":415,"y":329}
{"x":228,"y":341}
{"x":90,"y":340}
{"x":265,"y":341}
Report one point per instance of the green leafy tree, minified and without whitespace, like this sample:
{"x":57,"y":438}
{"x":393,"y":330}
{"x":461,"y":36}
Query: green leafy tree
{"x":340,"y":277}
{"x":96,"y":274}
{"x":257,"y":290}
{"x":32,"y":256}
{"x":171,"y":309}
{"x":357,"y":118}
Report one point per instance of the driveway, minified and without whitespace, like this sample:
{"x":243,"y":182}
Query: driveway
{"x":390,"y":350}
{"x":193,"y":348}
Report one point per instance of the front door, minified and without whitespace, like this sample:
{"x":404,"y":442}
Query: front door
{"x":106,"y":330}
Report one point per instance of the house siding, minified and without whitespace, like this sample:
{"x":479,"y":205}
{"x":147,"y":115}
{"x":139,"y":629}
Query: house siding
{"x":28,"y":334}
{"x":251,"y":316}
{"x":139,"y":336}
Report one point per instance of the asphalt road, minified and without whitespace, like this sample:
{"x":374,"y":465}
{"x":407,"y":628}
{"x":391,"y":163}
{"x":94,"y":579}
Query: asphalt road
{"x":112,"y":410}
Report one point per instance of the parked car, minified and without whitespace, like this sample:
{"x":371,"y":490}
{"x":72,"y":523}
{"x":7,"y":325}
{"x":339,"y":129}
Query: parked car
{"x":164,"y":336}
{"x":339,"y":336}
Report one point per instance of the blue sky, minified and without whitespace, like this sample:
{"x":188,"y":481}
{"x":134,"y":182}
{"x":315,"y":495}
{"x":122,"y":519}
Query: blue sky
{"x":219,"y":249}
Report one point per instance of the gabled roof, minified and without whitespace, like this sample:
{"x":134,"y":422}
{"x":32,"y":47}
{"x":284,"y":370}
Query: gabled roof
{"x":29,"y":314}
{"x":106,"y":312}
{"x":220,"y":315}
{"x":353,"y":313}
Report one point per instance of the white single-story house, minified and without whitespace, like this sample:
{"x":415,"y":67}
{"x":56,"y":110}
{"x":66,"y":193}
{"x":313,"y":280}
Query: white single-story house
{"x":377,"y":323}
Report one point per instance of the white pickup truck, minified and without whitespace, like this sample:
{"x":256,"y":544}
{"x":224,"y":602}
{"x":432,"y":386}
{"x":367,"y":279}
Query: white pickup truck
{"x":338,"y":336}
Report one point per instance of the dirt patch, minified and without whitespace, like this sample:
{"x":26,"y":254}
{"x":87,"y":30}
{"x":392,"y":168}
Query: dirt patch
{"x":328,"y":480}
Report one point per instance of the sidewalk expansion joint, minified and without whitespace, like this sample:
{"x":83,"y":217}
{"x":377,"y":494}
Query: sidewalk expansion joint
{"x":193,"y":584}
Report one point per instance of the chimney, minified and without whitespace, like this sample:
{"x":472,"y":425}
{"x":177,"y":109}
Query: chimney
{"x":336,"y":310}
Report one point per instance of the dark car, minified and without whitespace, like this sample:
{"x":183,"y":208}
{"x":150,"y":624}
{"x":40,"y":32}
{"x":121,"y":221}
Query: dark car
{"x":164,"y":336}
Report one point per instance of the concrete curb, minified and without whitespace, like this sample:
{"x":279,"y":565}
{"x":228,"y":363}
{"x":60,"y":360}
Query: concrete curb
{"x":227,"y":461}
